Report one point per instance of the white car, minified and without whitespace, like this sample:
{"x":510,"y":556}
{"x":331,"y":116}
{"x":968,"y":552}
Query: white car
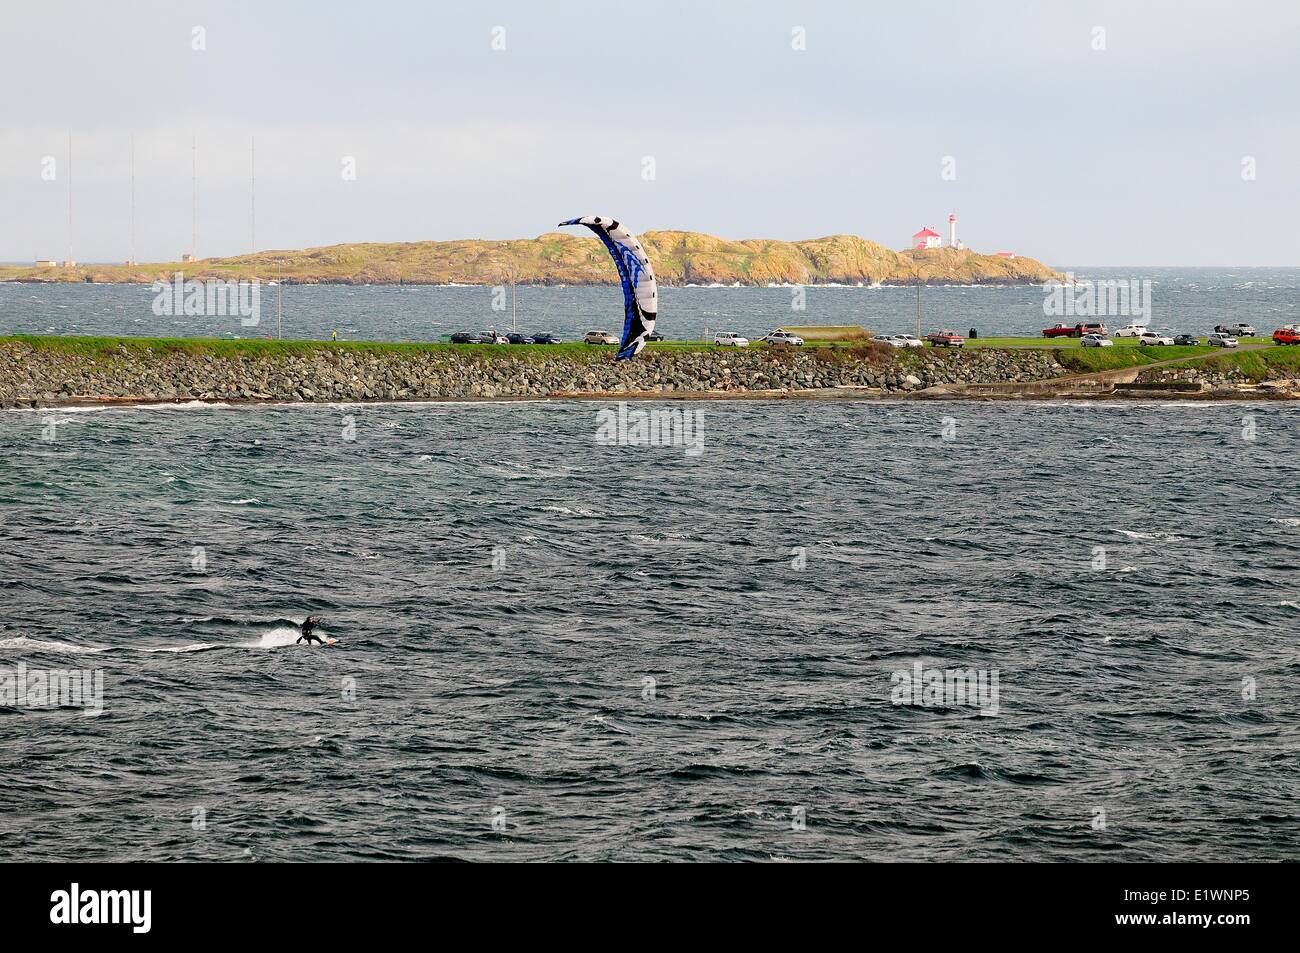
{"x":902,"y":340}
{"x":730,"y":339}
{"x":782,"y":337}
{"x":1151,"y":339}
{"x":599,"y":337}
{"x":1095,"y":340}
{"x":1132,"y":331}
{"x":1221,"y":340}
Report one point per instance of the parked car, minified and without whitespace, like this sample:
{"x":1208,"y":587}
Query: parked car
{"x":599,"y":337}
{"x":1074,"y":330}
{"x":1131,"y":331}
{"x":545,"y":338}
{"x":1151,"y":339}
{"x":654,"y":336}
{"x":1095,"y":340}
{"x":515,"y":337}
{"x":1290,"y":334}
{"x":945,"y":338}
{"x":730,"y":339}
{"x":782,"y":337}
{"x":1221,"y":340}
{"x":1240,"y":329}
{"x":1186,"y":339}
{"x":477,"y":337}
{"x":902,"y":340}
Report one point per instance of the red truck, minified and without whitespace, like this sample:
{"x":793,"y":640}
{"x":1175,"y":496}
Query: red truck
{"x":1074,"y":331}
{"x":945,"y":338}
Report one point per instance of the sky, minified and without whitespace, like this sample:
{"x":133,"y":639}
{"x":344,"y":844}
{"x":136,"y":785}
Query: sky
{"x":1080,"y":133}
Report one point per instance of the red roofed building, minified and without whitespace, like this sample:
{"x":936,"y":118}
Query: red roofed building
{"x":926,"y":238}
{"x":1005,"y":254}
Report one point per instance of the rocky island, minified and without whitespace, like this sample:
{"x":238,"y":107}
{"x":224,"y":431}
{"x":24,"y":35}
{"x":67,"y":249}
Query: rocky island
{"x":556,"y":258}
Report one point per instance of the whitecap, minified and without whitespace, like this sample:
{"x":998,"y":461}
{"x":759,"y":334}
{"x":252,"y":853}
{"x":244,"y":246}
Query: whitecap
{"x":21,"y":643}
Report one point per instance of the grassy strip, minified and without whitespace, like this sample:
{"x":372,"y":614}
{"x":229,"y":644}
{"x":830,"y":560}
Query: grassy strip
{"x":260,"y":347}
{"x":1088,"y":359}
{"x":1255,"y":364}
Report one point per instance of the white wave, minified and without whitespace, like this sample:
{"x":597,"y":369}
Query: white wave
{"x":1134,"y":534}
{"x":244,"y":502}
{"x":1285,"y":520}
{"x":21,"y":643}
{"x":568,"y":512}
{"x":277,"y":638}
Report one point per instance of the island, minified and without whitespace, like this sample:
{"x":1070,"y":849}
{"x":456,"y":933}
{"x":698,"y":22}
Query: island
{"x":559,"y":258}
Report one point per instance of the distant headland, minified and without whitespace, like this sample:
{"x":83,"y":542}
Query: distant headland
{"x":556,"y":258}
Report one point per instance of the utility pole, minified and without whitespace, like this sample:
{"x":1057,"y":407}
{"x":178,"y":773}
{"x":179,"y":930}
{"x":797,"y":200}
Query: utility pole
{"x":252,"y":193}
{"x":70,"y":259}
{"x":194,"y":197}
{"x":132,"y":259}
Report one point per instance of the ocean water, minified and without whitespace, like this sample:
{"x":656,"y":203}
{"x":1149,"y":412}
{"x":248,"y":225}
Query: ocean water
{"x":550,"y":648}
{"x":1182,"y":299}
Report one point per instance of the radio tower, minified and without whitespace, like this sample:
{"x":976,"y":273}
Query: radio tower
{"x":194,"y":198}
{"x":70,"y":262}
{"x":131,"y":259}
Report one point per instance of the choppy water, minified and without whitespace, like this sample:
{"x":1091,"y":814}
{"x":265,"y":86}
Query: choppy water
{"x":1182,"y":299}
{"x":519,"y":694}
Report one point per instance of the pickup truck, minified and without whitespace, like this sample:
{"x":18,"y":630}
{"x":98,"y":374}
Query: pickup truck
{"x":945,"y":338}
{"x":1074,"y":331}
{"x":1240,"y":329}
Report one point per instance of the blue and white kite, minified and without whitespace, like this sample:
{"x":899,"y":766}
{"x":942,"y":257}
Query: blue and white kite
{"x":640,"y":294}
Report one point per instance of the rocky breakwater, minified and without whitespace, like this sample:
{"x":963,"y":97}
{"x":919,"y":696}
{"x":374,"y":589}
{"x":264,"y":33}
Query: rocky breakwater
{"x":1220,"y":378}
{"x":53,"y":372}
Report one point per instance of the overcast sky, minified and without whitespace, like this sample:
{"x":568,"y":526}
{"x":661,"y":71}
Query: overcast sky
{"x":1128,"y":155}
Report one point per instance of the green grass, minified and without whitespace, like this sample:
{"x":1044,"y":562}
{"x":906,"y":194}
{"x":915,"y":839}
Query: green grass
{"x":1256,"y":363}
{"x":249,"y":347}
{"x":1057,"y":343}
{"x":1088,"y":359}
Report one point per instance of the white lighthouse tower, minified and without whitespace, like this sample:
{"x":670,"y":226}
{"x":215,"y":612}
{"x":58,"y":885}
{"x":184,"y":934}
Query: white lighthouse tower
{"x":952,"y":230}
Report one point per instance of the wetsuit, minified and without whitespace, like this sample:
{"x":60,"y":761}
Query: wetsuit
{"x":308,"y":625}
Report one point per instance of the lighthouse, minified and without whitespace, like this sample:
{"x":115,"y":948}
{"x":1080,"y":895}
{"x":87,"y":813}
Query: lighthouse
{"x":952,"y":230}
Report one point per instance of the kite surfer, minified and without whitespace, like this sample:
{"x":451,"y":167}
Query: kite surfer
{"x":308,"y":626}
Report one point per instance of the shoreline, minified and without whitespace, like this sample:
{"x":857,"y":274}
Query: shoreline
{"x":564,"y":258}
{"x":856,"y":395}
{"x":89,"y":372}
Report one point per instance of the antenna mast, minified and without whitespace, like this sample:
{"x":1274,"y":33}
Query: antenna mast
{"x":132,"y":259}
{"x":70,"y":259}
{"x":194,"y":197}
